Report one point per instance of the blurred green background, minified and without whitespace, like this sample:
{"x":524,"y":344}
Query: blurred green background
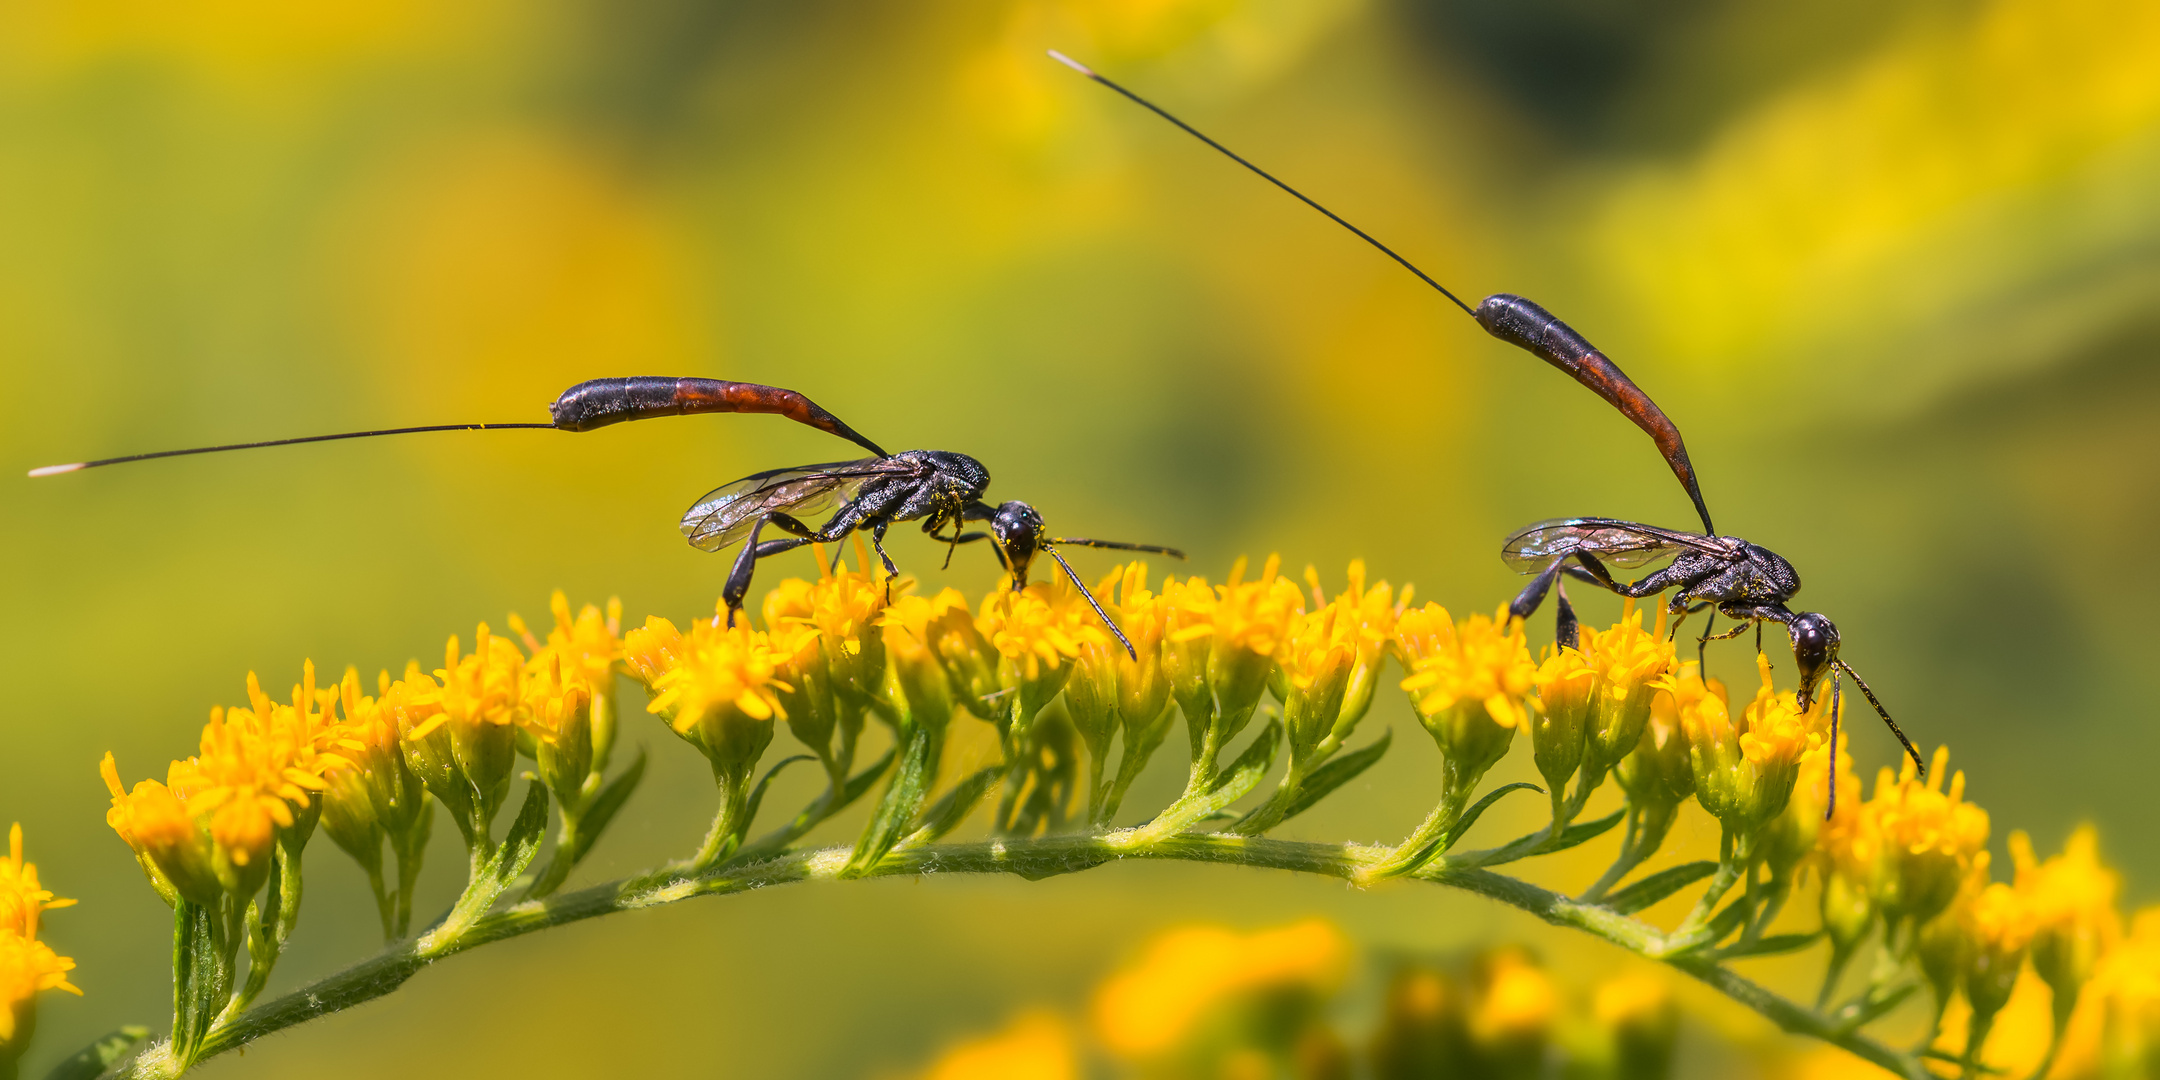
{"x":1891,"y":266}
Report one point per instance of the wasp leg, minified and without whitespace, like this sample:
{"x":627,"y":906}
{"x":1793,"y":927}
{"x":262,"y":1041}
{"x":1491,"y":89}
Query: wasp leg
{"x":1567,"y":630}
{"x":1738,"y":629}
{"x":954,"y":541}
{"x":789,"y":523}
{"x":1679,"y":608}
{"x":738,"y":579}
{"x":877,"y":541}
{"x":1526,"y":602}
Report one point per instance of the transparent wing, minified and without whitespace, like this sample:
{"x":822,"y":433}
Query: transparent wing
{"x":725,"y":514}
{"x":1617,"y":543}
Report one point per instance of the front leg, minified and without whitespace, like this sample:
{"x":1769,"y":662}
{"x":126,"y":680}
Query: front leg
{"x":953,"y":544}
{"x":877,"y":540}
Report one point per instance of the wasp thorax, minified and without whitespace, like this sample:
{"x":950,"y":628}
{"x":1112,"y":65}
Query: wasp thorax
{"x":957,"y":475}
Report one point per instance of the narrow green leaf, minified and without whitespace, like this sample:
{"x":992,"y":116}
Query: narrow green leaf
{"x":757,"y":794}
{"x":1335,"y":773}
{"x":824,"y":807}
{"x":903,"y":797}
{"x":1873,"y":1006}
{"x":1247,"y":771}
{"x":1536,"y":844}
{"x":1722,"y":925}
{"x":1769,"y":946}
{"x":1658,"y":886}
{"x":578,"y":836}
{"x":947,"y":813}
{"x":859,"y":784}
{"x":202,"y":976}
{"x":1478,"y":808}
{"x":1289,"y":803}
{"x":523,"y":842}
{"x":91,"y":1061}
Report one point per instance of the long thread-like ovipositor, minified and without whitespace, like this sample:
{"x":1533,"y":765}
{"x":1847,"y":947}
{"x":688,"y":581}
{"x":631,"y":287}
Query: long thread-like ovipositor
{"x":1510,"y":318}
{"x":588,"y":405}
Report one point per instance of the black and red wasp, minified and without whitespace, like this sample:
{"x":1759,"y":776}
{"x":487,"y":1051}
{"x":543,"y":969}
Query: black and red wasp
{"x":941,"y":488}
{"x":1709,"y":572}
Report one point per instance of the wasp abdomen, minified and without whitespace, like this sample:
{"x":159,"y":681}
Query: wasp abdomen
{"x":600,"y":402}
{"x":1519,"y":322}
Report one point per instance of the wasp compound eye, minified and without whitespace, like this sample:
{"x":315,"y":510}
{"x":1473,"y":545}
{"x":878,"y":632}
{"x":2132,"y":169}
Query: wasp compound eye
{"x":1814,"y":646}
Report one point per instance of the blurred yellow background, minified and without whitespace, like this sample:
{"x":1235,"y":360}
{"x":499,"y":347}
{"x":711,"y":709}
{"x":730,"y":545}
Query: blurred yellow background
{"x":1891,"y":266}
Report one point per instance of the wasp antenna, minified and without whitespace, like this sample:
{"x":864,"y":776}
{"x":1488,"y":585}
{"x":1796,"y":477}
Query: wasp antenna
{"x":1072,"y":63}
{"x":1082,"y":586}
{"x":1262,"y":174}
{"x":1117,"y":545}
{"x":56,"y":470}
{"x":1885,"y":714}
{"x":1837,"y":702}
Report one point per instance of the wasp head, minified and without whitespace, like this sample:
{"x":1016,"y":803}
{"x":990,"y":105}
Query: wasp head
{"x":1017,"y":530}
{"x":1814,"y":647}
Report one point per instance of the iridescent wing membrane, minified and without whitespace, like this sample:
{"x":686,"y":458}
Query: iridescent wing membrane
{"x":725,"y":515}
{"x":1620,"y":543}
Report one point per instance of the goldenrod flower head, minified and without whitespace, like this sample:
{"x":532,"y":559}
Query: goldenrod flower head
{"x":374,"y":791}
{"x":1037,"y":1045}
{"x":1247,"y":625}
{"x":1744,"y":770}
{"x":1481,"y":660}
{"x":173,"y":850}
{"x":844,"y":608}
{"x":1516,"y":1002}
{"x":941,"y":630}
{"x":482,"y":688}
{"x":723,"y":691}
{"x":1926,"y":839}
{"x":1186,"y":973}
{"x":27,"y":966}
{"x":651,"y":649}
{"x":2072,"y":900}
{"x":555,"y":702}
{"x":1330,"y":657}
{"x":588,"y":642}
{"x":1467,"y":681}
{"x":1627,"y":661}
{"x":1640,"y":1022}
{"x":1796,"y":833}
{"x":257,"y":774}
{"x":2121,"y":1004}
{"x":1635,"y":1002}
{"x":459,"y":729}
{"x":1109,"y":686}
{"x":21,"y":897}
{"x":1559,"y":724}
{"x":1660,"y":772}
{"x":1036,"y":633}
{"x":916,"y":631}
{"x":556,"y":710}
{"x":1188,"y":610}
{"x":1422,"y":1027}
{"x":1998,"y":926}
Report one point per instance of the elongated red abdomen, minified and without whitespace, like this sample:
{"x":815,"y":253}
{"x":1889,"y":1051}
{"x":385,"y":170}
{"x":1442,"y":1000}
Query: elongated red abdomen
{"x":600,"y":402}
{"x":1520,"y":322}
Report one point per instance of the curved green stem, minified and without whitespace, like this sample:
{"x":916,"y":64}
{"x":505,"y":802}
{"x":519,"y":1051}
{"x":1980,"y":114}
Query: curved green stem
{"x":1033,"y":859}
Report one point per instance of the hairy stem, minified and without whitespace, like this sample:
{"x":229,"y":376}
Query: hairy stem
{"x":1032,"y":859}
